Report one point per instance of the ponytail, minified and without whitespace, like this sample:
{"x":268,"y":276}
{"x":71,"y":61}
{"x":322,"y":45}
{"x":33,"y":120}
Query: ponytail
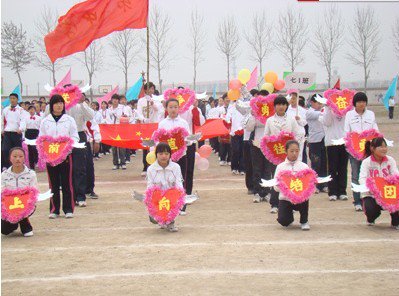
{"x":367,"y":149}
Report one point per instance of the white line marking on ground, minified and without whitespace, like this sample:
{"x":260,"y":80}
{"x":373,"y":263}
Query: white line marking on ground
{"x":198,"y":272}
{"x":201,"y":244}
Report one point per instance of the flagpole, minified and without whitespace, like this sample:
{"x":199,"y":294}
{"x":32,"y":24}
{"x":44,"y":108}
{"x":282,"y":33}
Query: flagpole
{"x":148,"y":56}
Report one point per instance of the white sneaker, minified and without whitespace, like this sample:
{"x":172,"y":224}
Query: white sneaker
{"x":358,"y":208}
{"x":163,"y":226}
{"x":171,"y":227}
{"x":370,"y":223}
{"x":82,"y":204}
{"x":235,"y":172}
{"x":127,"y":161}
{"x":52,"y":216}
{"x":343,"y":197}
{"x":305,"y":226}
{"x":256,"y":198}
{"x":28,"y":234}
{"x":115,"y":167}
{"x":222,"y":163}
{"x":242,"y":173}
{"x":274,"y":210}
{"x":267,"y":197}
{"x":332,"y":197}
{"x":69,"y":215}
{"x":123,"y":166}
{"x":143,"y":174}
{"x":228,"y":163}
{"x":182,"y":213}
{"x":396,"y":227}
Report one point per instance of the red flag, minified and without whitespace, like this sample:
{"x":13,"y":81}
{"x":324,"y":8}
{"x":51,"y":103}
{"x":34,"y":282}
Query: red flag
{"x":93,"y":19}
{"x":337,"y":84}
{"x":127,"y":135}
{"x":212,"y":128}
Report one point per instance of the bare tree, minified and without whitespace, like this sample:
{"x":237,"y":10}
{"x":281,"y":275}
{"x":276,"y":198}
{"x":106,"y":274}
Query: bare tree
{"x":395,"y":39}
{"x":93,"y":59}
{"x":227,"y":41}
{"x":364,"y":41}
{"x":328,"y":37}
{"x":197,"y":41}
{"x":16,"y":49}
{"x":292,"y":37}
{"x":160,"y":41}
{"x":126,"y":46}
{"x":261,"y":39}
{"x":45,"y":24}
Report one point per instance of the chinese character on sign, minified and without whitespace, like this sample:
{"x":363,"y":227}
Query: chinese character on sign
{"x":390,"y":192}
{"x":362,"y":145}
{"x":265,"y":110}
{"x":293,"y":80}
{"x":305,"y":80}
{"x":172,"y":143}
{"x":164,"y":204}
{"x":180,"y":99}
{"x":296,"y":185}
{"x":279,"y":148}
{"x":17,"y":204}
{"x":66,"y":97}
{"x":53,"y":148}
{"x":341,"y":103}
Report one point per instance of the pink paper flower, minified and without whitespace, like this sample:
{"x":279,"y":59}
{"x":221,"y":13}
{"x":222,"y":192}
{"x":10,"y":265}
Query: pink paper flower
{"x":186,"y":94}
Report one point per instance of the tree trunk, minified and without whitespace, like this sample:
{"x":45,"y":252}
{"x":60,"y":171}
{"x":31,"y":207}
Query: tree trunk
{"x":365,"y":80}
{"x":228,"y":71}
{"x":159,"y":78}
{"x":126,"y":82}
{"x":53,"y":74}
{"x":91,"y":88}
{"x":260,"y":72}
{"x":20,"y":82}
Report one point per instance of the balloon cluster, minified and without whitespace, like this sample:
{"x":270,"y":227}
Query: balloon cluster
{"x":201,"y":157}
{"x":272,"y":83}
{"x":235,"y":85}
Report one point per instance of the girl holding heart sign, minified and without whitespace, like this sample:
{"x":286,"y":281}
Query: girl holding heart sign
{"x":379,"y":164}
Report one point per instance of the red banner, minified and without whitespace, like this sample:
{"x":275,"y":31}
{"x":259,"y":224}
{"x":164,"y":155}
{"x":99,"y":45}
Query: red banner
{"x":127,"y":135}
{"x":93,"y":19}
{"x":213,"y":128}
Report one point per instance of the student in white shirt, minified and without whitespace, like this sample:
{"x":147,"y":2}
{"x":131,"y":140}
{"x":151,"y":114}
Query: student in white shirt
{"x":165,"y":174}
{"x":285,"y":207}
{"x":13,"y":124}
{"x":237,"y":140}
{"x":104,"y":149}
{"x":56,"y":124}
{"x":391,"y":106}
{"x":213,"y":113}
{"x":224,"y":141}
{"x":31,"y":133}
{"x":359,"y":120}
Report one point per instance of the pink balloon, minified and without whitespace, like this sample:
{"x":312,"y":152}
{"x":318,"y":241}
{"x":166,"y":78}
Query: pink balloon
{"x":202,"y":164}
{"x":235,"y":84}
{"x":205,"y":151}
{"x":279,"y":84}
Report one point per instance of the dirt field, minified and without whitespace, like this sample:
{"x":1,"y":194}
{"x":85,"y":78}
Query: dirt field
{"x":226,"y":245}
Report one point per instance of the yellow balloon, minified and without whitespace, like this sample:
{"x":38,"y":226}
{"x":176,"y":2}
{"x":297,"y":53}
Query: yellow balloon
{"x":271,"y":77}
{"x":244,"y":75}
{"x":150,"y":158}
{"x":268,"y":86}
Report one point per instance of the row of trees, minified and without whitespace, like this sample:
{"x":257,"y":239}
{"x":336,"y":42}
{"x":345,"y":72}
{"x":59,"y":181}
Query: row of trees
{"x":18,"y":51}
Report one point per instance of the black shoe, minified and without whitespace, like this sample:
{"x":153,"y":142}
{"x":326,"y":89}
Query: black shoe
{"x":93,"y":195}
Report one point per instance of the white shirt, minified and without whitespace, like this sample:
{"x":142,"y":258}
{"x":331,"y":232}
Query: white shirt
{"x":275,"y":124}
{"x":115,"y":114}
{"x":33,"y":122}
{"x":213,"y":113}
{"x":165,"y":178}
{"x":354,"y":122}
{"x":96,"y":132}
{"x":391,"y":102}
{"x":12,"y":121}
{"x":169,"y":123}
{"x":11,"y":180}
{"x":153,"y":112}
{"x":235,"y":118}
{"x":66,"y":126}
{"x":316,"y":129}
{"x":104,"y":115}
{"x":188,"y":116}
{"x":98,"y":117}
{"x":291,"y":111}
{"x":81,"y":113}
{"x":333,"y":126}
{"x":252,"y":124}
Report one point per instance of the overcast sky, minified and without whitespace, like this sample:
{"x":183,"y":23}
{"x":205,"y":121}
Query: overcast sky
{"x":214,"y":66}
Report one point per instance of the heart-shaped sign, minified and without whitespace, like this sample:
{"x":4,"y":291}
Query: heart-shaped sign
{"x":174,"y":138}
{"x":54,"y":150}
{"x":273,"y":147}
{"x":164,"y":205}
{"x":355,"y":143}
{"x":185,"y":97}
{"x":385,"y":191}
{"x":17,"y":204}
{"x":71,"y":95}
{"x":263,"y":107}
{"x":299,"y":186}
{"x":340,"y":101}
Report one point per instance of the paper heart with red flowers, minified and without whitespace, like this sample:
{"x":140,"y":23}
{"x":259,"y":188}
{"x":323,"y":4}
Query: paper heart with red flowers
{"x":71,"y":95}
{"x":340,"y":101}
{"x":263,"y":107}
{"x":164,"y":205}
{"x":297,"y":187}
{"x":18,"y":204}
{"x":185,"y":97}
{"x":175,"y":138}
{"x":355,"y":143}
{"x":385,"y":191}
{"x":54,"y":150}
{"x":273,"y":147}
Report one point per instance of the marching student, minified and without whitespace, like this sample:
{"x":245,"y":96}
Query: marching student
{"x":285,"y":207}
{"x":358,"y":120}
{"x":105,"y":149}
{"x":213,"y":113}
{"x":337,"y":156}
{"x":13,"y":124}
{"x":56,"y":124}
{"x":280,"y":121}
{"x":31,"y":133}
{"x":377,"y":164}
{"x":317,"y":148}
{"x":224,"y":141}
{"x":165,"y":174}
{"x":17,"y":176}
{"x":131,"y":114}
{"x":82,"y":113}
{"x":94,"y":137}
{"x":237,"y":140}
{"x":171,"y":121}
